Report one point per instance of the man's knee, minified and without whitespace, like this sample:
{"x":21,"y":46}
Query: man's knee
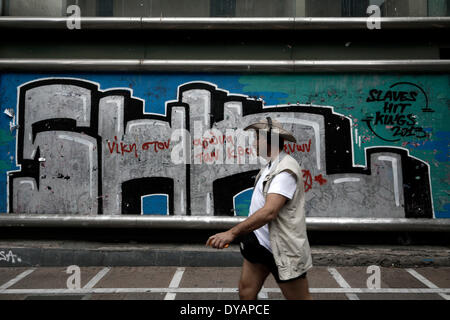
{"x":296,"y":289}
{"x":247,"y":291}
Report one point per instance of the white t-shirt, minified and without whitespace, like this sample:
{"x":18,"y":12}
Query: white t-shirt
{"x":283,"y":183}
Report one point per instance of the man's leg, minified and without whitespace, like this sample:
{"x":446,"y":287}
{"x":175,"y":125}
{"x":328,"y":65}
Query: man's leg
{"x":252,"y":279}
{"x":296,"y":289}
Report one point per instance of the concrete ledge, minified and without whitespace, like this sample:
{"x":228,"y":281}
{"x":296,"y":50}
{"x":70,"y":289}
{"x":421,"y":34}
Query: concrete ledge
{"x":64,"y":253}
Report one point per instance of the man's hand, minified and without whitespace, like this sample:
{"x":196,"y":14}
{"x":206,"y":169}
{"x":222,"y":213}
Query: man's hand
{"x":273,"y":205}
{"x":220,"y":240}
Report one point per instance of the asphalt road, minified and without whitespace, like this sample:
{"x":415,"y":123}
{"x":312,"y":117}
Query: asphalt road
{"x":213,"y":283}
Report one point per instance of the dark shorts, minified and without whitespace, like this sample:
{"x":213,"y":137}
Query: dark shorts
{"x":252,"y":251}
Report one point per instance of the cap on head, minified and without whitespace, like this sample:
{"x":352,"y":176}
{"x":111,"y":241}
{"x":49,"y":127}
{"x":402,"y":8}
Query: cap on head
{"x":272,"y":126}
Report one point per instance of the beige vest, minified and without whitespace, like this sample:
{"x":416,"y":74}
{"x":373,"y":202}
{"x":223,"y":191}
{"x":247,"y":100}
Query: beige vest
{"x":288,"y":238}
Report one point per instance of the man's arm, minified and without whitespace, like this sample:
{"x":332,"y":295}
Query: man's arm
{"x":274,"y":203}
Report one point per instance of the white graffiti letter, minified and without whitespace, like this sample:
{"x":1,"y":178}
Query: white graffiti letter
{"x":374,"y":281}
{"x":74,"y":281}
{"x":10,"y":255}
{"x":74,"y":21}
{"x":374,"y":21}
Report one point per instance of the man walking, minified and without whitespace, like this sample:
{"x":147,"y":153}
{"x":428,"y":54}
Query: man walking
{"x":273,"y":238}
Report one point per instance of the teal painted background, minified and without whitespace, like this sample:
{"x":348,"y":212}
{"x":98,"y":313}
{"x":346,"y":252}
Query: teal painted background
{"x":347,"y":93}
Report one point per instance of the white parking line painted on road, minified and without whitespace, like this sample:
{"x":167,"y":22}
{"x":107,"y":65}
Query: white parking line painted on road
{"x":426,"y":282}
{"x":220,"y":290}
{"x":341,"y":281}
{"x":96,"y":278}
{"x":175,"y":283}
{"x":16,"y":279}
{"x":262,"y":294}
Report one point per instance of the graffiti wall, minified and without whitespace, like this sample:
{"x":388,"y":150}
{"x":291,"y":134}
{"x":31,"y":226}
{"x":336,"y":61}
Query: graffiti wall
{"x":132,"y":144}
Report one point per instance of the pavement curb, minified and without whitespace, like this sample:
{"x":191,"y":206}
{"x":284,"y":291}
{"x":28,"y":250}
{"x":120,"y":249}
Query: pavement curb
{"x":56,"y":254}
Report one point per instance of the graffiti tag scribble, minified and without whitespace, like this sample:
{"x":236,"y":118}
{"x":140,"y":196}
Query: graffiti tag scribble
{"x":9,"y":256}
{"x":398,"y":112}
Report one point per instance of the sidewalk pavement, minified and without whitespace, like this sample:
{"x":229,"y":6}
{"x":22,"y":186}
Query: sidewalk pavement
{"x":51,"y":253}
